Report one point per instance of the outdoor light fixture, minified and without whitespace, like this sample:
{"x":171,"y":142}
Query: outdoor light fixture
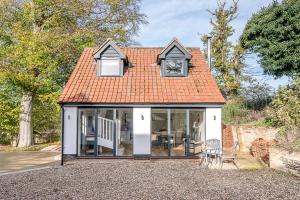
{"x":142,"y":117}
{"x":69,"y":117}
{"x":215,"y":117}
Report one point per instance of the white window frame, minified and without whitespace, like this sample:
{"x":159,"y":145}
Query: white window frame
{"x":120,"y":71}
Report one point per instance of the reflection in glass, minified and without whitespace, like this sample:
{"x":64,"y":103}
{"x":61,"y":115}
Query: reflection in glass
{"x":106,"y":128}
{"x":197,"y":131}
{"x":124,"y":125}
{"x":159,"y":132}
{"x":87,"y":132}
{"x":178,"y":132}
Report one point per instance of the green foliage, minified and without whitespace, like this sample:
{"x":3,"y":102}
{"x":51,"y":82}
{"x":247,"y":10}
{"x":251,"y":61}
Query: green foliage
{"x":234,"y":111}
{"x":227,"y":59}
{"x":9,"y":109}
{"x":285,"y":114}
{"x":274,"y":34}
{"x":257,"y":95}
{"x":264,"y":122}
{"x":46,"y":117}
{"x":285,"y":106}
{"x":40,"y":41}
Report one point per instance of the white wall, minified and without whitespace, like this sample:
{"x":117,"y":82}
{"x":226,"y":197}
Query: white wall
{"x":213,"y":123}
{"x":70,"y":130}
{"x":141,"y":131}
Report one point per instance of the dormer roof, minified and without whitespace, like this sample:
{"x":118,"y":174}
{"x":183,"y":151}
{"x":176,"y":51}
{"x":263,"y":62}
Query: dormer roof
{"x":108,"y":43}
{"x":174,"y":44}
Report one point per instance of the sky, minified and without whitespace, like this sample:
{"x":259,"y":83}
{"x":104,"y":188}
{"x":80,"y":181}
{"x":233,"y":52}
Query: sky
{"x":187,"y":20}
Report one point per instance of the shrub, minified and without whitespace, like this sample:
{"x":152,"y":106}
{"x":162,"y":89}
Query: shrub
{"x":234,"y":111}
{"x":285,"y":114}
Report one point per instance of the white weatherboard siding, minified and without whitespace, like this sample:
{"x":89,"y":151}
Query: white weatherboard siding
{"x":141,"y":131}
{"x":213,"y":124}
{"x":70,"y":130}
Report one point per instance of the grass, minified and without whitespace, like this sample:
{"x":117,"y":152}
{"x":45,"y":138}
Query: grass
{"x":36,"y":147}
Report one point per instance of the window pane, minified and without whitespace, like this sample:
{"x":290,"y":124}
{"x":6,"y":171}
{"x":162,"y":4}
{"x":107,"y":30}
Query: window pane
{"x":174,"y":67}
{"x":106,"y":128}
{"x":159,"y":135}
{"x":124,"y":138}
{"x":87,"y":132}
{"x":110,"y":67}
{"x":178,"y":132}
{"x":197,"y":131}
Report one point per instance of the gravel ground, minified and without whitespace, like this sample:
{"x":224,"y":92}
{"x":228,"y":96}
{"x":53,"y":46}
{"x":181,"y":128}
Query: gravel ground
{"x":127,"y":179}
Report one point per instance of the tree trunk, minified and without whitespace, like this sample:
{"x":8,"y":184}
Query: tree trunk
{"x":25,"y":133}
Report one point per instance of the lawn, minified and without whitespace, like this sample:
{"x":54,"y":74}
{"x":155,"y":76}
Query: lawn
{"x":127,"y":179}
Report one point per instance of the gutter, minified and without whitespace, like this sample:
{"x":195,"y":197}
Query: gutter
{"x":196,"y":105}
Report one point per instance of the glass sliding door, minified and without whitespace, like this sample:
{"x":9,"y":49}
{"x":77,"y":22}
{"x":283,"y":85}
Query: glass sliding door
{"x":105,"y":132}
{"x":178,"y":132}
{"x":124,"y":134}
{"x":86,"y":132}
{"x":159,"y":132}
{"x":197,"y":130}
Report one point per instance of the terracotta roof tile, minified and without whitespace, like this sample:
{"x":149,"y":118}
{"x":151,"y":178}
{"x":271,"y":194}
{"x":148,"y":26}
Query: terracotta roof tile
{"x":142,"y":83}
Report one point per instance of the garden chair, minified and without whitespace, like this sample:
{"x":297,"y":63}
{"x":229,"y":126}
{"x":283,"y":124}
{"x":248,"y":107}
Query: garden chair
{"x":231,"y":156}
{"x":212,"y":150}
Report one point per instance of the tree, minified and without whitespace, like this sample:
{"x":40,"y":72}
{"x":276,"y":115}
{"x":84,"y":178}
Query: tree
{"x":284,"y":113}
{"x":41,"y":39}
{"x":9,"y":109}
{"x":228,"y":59}
{"x":285,"y":106}
{"x":257,"y":94}
{"x":274,"y":35}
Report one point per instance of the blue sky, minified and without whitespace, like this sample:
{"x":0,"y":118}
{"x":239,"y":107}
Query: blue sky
{"x":188,"y":19}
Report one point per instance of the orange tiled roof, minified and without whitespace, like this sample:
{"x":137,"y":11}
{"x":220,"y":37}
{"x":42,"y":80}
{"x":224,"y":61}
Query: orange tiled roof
{"x":142,"y":83}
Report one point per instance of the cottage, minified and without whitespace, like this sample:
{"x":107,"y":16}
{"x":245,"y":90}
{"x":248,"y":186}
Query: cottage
{"x":140,"y":101}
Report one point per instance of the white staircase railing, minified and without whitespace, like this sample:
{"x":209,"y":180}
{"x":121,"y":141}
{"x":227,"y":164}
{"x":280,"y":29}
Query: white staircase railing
{"x":105,"y":133}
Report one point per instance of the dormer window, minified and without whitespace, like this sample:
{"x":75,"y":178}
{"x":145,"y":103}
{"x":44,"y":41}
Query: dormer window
{"x":110,"y":67}
{"x":110,"y":60}
{"x":174,"y":67}
{"x":174,"y":60}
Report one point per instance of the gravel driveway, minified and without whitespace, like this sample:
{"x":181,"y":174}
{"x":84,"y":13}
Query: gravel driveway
{"x":127,"y":179}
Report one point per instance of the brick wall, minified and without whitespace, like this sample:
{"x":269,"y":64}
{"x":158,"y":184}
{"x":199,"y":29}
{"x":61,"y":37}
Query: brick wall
{"x":260,"y":149}
{"x":247,"y":134}
{"x":227,"y":137}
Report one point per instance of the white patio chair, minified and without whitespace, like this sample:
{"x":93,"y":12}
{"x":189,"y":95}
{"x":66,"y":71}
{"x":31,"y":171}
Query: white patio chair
{"x":213,"y":150}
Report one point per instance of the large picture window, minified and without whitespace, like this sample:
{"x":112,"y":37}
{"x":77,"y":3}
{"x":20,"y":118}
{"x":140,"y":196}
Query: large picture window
{"x":105,"y":132}
{"x":109,"y":132}
{"x":177,"y":132}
